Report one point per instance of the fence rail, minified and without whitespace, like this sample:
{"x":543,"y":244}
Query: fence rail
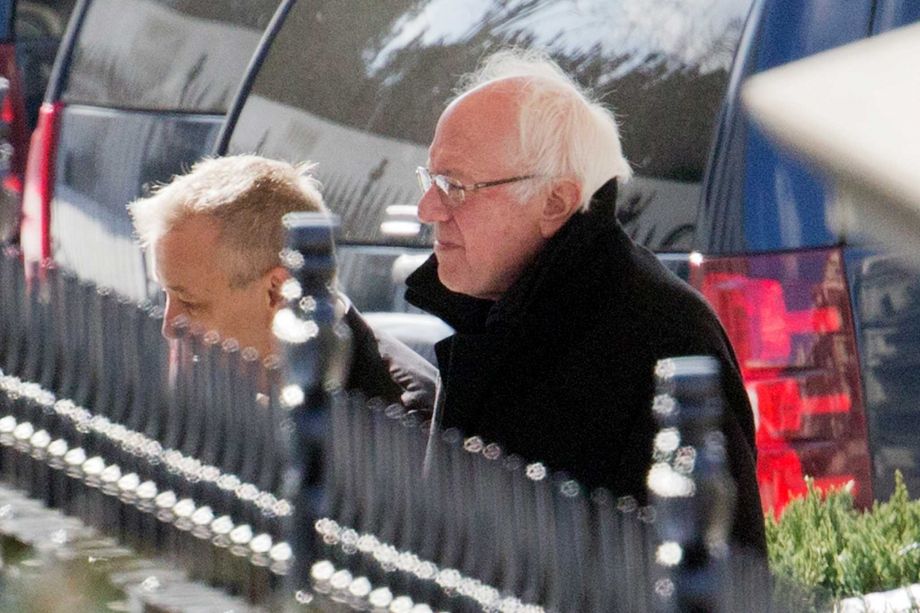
{"x":268,"y":482}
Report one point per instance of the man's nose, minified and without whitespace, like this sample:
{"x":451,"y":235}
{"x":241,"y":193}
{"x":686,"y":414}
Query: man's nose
{"x":171,"y":318}
{"x":167,"y":329}
{"x":431,"y":208}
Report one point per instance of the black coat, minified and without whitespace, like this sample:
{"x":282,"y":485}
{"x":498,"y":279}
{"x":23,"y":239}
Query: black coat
{"x":384,"y":367}
{"x":560,"y":369}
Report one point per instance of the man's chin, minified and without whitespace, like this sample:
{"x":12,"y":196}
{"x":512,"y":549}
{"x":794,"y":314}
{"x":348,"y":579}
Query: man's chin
{"x":452,"y":282}
{"x":463,"y":286}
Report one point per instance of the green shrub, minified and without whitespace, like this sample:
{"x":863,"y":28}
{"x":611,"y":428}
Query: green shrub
{"x":821,"y":542}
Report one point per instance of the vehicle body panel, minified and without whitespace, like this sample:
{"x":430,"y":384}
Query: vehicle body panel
{"x":761,"y":200}
{"x":886,"y":295}
{"x":755,"y":197}
{"x":6,"y":21}
{"x":886,"y":298}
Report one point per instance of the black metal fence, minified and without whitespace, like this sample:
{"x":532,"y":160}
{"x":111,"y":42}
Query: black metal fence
{"x":268,"y":482}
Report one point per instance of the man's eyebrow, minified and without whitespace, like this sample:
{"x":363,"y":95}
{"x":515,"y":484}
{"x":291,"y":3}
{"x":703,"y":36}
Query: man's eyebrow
{"x":452,"y":170}
{"x":450,"y":173}
{"x":178,"y":289}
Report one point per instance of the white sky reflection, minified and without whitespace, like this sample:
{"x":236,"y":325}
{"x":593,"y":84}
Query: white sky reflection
{"x":685,"y":32}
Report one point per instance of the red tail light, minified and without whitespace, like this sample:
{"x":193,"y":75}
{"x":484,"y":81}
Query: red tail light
{"x":790,"y":322}
{"x":35,"y":236}
{"x":13,"y":142}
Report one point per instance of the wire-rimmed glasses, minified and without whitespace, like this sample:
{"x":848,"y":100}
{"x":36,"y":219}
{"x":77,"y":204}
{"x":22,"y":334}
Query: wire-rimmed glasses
{"x":454,"y":191}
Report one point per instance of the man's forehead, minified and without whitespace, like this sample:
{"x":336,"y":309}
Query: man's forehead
{"x":177,"y":288}
{"x":188,"y":236}
{"x":483,"y":109}
{"x":197,"y":226}
{"x":187,"y":256}
{"x":475,"y":131}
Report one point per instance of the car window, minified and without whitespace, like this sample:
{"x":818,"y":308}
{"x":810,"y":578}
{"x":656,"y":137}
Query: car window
{"x":39,"y":24}
{"x":38,"y":19}
{"x":359,"y":91}
{"x":184,"y":55}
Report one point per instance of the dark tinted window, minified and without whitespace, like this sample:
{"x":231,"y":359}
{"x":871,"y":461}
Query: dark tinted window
{"x":359,"y":90}
{"x":165,"y":54}
{"x":39,"y":28}
{"x":41,"y":19}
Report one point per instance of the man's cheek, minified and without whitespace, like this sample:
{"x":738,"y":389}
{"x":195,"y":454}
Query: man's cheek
{"x":209,"y":323}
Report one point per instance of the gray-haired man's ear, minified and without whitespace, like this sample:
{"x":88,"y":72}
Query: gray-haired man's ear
{"x":561,"y":203}
{"x":276,"y":278}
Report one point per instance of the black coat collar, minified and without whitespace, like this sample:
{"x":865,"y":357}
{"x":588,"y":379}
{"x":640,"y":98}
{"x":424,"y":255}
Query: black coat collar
{"x":463,"y":313}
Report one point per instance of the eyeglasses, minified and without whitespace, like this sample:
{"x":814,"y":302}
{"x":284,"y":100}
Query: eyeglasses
{"x":456,"y":192}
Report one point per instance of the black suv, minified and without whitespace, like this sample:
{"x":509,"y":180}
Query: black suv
{"x":139,"y":93}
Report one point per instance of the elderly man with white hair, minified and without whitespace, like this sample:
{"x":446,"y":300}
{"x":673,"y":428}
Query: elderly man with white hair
{"x":559,"y":316}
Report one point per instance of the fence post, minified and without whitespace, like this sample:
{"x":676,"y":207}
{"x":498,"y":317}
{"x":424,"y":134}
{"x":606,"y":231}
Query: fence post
{"x":691,"y":487}
{"x":314,"y":346}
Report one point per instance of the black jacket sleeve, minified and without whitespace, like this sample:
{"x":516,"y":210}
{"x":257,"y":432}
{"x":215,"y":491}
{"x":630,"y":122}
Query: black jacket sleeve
{"x":384,"y":367}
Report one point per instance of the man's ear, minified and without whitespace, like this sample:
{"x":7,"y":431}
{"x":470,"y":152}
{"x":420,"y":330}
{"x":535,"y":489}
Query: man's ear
{"x":276,"y":278}
{"x":561,"y":203}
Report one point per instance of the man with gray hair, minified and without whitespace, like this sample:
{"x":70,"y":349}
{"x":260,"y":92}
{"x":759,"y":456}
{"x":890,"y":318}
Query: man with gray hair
{"x":216,"y":237}
{"x":559,"y":316}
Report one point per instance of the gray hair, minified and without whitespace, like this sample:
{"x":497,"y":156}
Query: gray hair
{"x":564,"y":131}
{"x":246,"y":194}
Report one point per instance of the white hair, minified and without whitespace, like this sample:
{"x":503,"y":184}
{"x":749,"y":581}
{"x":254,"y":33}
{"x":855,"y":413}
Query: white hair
{"x":563,"y":130}
{"x":247,"y":195}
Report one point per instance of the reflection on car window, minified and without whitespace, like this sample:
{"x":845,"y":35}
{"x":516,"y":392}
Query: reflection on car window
{"x":184,"y":55}
{"x":40,"y":19}
{"x":359,"y":91}
{"x":40,"y":24}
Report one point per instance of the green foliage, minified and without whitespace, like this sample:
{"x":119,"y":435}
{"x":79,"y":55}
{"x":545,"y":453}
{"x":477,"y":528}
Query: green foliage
{"x":823,"y":543}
